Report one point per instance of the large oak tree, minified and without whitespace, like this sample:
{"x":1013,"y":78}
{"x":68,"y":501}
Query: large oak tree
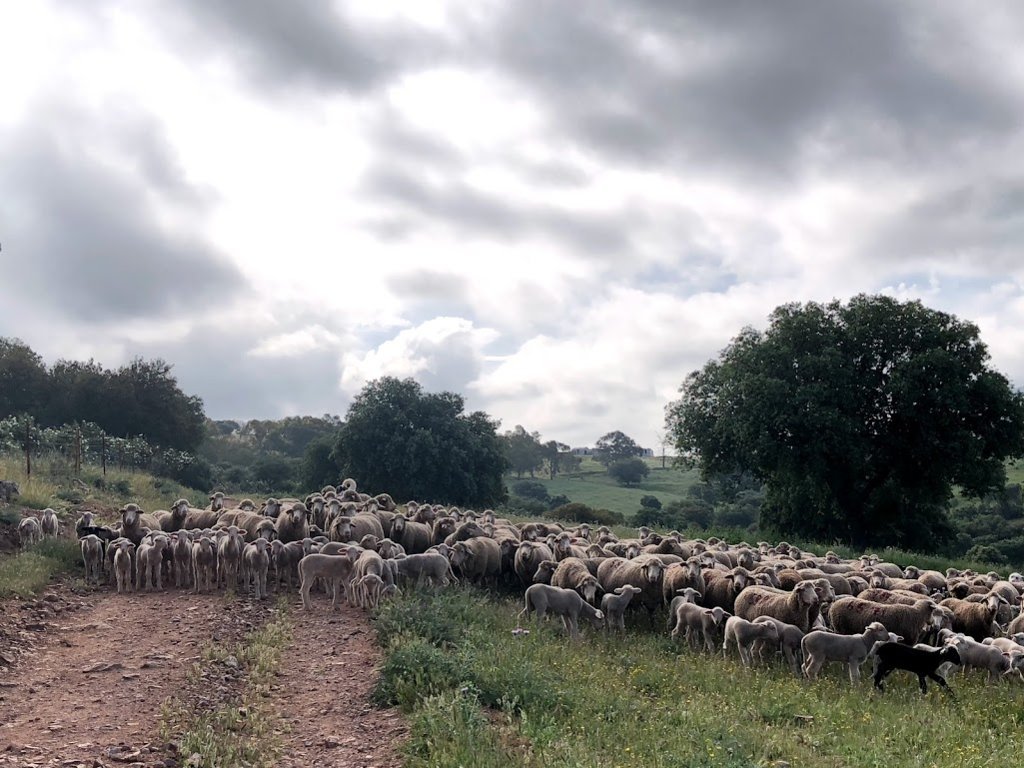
{"x":861,"y":418}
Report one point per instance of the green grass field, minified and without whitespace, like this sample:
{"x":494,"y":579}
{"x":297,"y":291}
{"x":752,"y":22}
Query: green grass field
{"x":479,"y":696}
{"x":592,"y":486}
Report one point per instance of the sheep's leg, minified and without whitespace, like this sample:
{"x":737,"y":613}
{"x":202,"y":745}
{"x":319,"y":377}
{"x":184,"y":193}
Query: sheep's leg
{"x":854,"y":669}
{"x":938,"y":679}
{"x":922,"y":683}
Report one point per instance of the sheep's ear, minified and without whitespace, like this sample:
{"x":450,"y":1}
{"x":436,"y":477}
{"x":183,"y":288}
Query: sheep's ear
{"x":617,"y":591}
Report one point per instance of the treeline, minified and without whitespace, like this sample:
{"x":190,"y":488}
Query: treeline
{"x":139,"y":398}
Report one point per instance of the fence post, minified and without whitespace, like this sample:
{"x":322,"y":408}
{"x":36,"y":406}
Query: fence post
{"x":28,"y":448}
{"x":103,"y":452}
{"x":78,"y":450}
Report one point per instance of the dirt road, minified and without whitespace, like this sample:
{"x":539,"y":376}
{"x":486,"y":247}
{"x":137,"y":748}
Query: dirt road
{"x":84,"y":678}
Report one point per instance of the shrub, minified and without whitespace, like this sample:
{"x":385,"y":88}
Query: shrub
{"x":413,"y":670}
{"x":651,"y":502}
{"x":558,"y":500}
{"x":986,"y":554}
{"x":629,"y":471}
{"x":531,"y":489}
{"x":576,"y":512}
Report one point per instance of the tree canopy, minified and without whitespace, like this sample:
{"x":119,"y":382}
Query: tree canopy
{"x":523,"y":450}
{"x":615,"y":446}
{"x":860,"y":418}
{"x":419,"y":445}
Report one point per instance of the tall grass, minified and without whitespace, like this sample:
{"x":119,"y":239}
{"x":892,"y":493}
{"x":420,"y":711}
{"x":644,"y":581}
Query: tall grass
{"x":28,"y":572}
{"x":540,"y":700}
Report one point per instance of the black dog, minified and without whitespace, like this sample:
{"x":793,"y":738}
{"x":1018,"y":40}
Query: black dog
{"x":892,"y":656}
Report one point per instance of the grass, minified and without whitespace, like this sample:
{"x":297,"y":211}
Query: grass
{"x":52,"y":484}
{"x":592,"y":486}
{"x":242,"y":731}
{"x":539,"y":700}
{"x":28,"y":572}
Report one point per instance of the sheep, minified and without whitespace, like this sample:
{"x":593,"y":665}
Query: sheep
{"x":30,"y":532}
{"x":216,"y":502}
{"x":196,"y":518}
{"x":181,"y":554}
{"x":335,"y":570}
{"x":366,"y":563}
{"x":87,"y":520}
{"x":613,"y":605}
{"x":204,"y":563}
{"x":229,"y":556}
{"x":465,"y":531}
{"x":891,"y":656}
{"x":566,"y":603}
{"x":173,"y":520}
{"x":133,"y":521}
{"x":976,"y":620}
{"x":790,"y":638}
{"x":722,"y":587}
{"x":370,"y":588}
{"x":49,"y":523}
{"x":123,"y":556}
{"x":92,"y":557}
{"x":645,"y":571}
{"x":285,"y":559}
{"x":790,"y":607}
{"x":743,"y":633}
{"x":252,"y":525}
{"x":528,"y":556}
{"x":934,"y":580}
{"x":441,"y":528}
{"x":819,"y":647}
{"x":1007,"y":644}
{"x":992,"y":658}
{"x":572,"y":573}
{"x":887,"y":596}
{"x":851,"y":615}
{"x":413,"y":536}
{"x":478,"y":558}
{"x":293,"y":525}
{"x":681,"y":576}
{"x":149,"y":559}
{"x":430,"y":567}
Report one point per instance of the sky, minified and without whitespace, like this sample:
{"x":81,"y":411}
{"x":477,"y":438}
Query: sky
{"x":557,"y":209}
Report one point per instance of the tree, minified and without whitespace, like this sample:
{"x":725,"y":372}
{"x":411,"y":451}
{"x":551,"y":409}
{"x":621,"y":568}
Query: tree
{"x":651,"y":502}
{"x":629,"y":471}
{"x":418,"y":445}
{"x":615,"y":446}
{"x":523,"y":450}
{"x":23,"y":379}
{"x":859,"y":417}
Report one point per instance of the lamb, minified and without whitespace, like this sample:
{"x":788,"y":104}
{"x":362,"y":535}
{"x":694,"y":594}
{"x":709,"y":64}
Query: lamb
{"x":851,"y":615}
{"x":744,"y":633}
{"x":251,"y":524}
{"x":566,"y":603}
{"x":366,"y":563}
{"x":285,"y":558}
{"x":572,"y":573}
{"x":370,"y":588}
{"x":613,"y":605}
{"x":790,"y":638}
{"x":204,"y":563}
{"x":430,"y":567}
{"x":229,"y":556}
{"x":149,"y":559}
{"x":790,"y":607}
{"x":87,"y":520}
{"x":891,"y":656}
{"x":819,"y":647}
{"x":977,"y":620}
{"x":30,"y":532}
{"x":335,"y":570}
{"x":992,"y":658}
{"x":123,"y":555}
{"x":181,"y":554}
{"x":49,"y":523}
{"x":645,"y":571}
{"x":255,"y":564}
{"x":92,"y":557}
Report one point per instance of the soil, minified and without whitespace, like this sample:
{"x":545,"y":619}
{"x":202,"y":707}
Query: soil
{"x":84,"y":677}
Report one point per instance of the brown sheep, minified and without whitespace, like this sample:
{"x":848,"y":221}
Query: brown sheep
{"x":681,"y":576}
{"x":851,"y":616}
{"x":478,"y":558}
{"x":528,"y":556}
{"x":414,"y":537}
{"x":794,"y":607}
{"x":572,"y":573}
{"x":975,"y":620}
{"x":722,"y":587}
{"x":645,"y":571}
{"x":293,"y":525}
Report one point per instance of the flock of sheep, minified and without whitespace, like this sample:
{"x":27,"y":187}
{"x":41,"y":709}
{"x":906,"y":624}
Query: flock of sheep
{"x":763,"y":600}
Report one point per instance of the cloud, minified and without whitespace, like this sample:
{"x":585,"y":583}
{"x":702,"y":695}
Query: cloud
{"x":443,"y":354}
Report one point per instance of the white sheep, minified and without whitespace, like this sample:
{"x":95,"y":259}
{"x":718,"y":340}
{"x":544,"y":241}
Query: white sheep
{"x":790,"y":637}
{"x":49,"y":523}
{"x":335,"y":570}
{"x":614,"y":605}
{"x":92,"y":557}
{"x":255,"y":564}
{"x":744,"y":633}
{"x":30,"y":532}
{"x":123,"y":556}
{"x":819,"y":647}
{"x":204,"y":563}
{"x":149,"y":561}
{"x":566,"y":603}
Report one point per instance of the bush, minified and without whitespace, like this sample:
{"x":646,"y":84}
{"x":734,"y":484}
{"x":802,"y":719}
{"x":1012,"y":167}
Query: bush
{"x":576,"y":512}
{"x":651,"y":502}
{"x":531,"y":489}
{"x":413,"y":670}
{"x":986,"y":554}
{"x":517,"y":505}
{"x":629,"y":471}
{"x":558,"y":501}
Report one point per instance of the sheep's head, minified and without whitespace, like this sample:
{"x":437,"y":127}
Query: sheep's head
{"x":265,"y":530}
{"x":247,"y":504}
{"x":341,"y":528}
{"x":398,"y":525}
{"x":689,"y":595}
{"x":385,"y":502}
{"x":584,"y":531}
{"x":508,"y":547}
{"x":460,"y":554}
{"x":545,"y":568}
{"x":653,"y":570}
{"x":632,"y":550}
{"x":876,"y":631}
{"x":217,"y":501}
{"x":588,"y":589}
{"x":388,"y":549}
{"x":807,"y":594}
{"x":369,"y":541}
{"x":130,"y":515}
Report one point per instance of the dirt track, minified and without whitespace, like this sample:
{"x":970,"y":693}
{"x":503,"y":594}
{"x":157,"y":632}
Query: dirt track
{"x":83,"y":679}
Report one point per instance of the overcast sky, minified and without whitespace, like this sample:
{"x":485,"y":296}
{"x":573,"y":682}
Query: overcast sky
{"x":556,"y":208}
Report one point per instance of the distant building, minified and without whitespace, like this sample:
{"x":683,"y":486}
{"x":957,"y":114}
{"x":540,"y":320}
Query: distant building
{"x":582,"y":451}
{"x":646,"y":451}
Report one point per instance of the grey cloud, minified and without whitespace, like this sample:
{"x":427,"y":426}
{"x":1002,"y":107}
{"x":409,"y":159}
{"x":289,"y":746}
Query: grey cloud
{"x":475,"y":211}
{"x":85,"y":238}
{"x":756,"y":85}
{"x":306,"y":41}
{"x":429,"y":284}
